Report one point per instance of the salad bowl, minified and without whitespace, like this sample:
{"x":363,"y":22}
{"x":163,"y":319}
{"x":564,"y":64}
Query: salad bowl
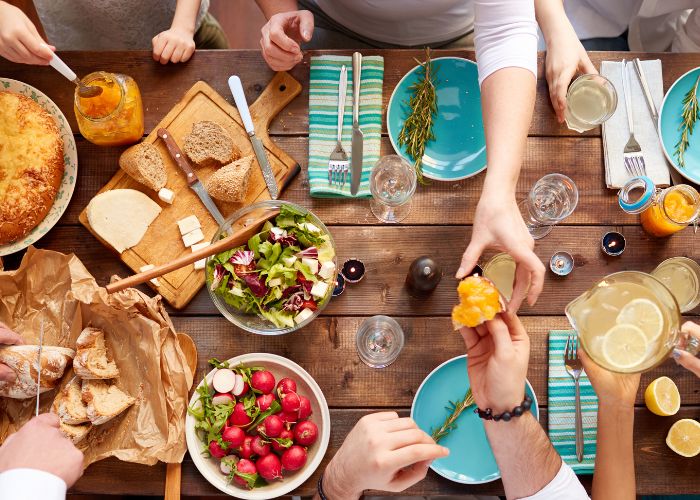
{"x":282,"y":278}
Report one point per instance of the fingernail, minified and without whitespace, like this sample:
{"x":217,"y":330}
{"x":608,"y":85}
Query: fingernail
{"x":676,"y":354}
{"x":446,"y":451}
{"x":306,"y":35}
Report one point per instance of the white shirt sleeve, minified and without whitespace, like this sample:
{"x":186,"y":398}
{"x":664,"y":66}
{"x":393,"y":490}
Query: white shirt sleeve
{"x":31,"y":484}
{"x":564,"y":486}
{"x":505,"y":35}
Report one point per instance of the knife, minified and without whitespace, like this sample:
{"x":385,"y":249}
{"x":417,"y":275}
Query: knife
{"x":236,"y":87}
{"x":357,"y":137}
{"x":192,"y":180}
{"x":38,"y":364}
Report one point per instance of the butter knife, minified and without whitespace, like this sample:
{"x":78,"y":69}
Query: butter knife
{"x":357,"y":136}
{"x":38,"y":365}
{"x":192,"y":180}
{"x":236,"y":87}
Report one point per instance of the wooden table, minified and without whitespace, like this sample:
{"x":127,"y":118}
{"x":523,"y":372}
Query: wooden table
{"x":439,"y":225}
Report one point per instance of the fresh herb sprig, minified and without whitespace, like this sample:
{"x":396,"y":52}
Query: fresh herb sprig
{"x":417,"y":128}
{"x":689,"y":117}
{"x":455,"y":409}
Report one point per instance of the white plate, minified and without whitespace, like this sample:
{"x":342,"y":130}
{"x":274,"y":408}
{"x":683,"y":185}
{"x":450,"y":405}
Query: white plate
{"x":306,"y":386}
{"x":70,"y":159}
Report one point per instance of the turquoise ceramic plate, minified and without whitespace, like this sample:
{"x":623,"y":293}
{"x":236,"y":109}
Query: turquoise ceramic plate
{"x":459,"y":148}
{"x":670,"y":119}
{"x":70,"y":158}
{"x":471,"y":460}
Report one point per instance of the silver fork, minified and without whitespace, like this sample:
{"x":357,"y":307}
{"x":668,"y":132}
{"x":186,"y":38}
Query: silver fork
{"x":338,"y":161}
{"x":632,"y":155}
{"x":574,"y":367}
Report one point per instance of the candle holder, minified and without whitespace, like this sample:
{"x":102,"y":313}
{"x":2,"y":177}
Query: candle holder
{"x":561,"y":263}
{"x":353,"y":270}
{"x":613,"y":244}
{"x":339,"y":285}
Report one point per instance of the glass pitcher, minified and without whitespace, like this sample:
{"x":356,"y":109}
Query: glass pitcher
{"x":628,"y":322}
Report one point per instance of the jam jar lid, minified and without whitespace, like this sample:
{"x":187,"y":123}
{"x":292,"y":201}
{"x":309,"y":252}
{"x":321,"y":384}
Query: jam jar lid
{"x":637,"y":194}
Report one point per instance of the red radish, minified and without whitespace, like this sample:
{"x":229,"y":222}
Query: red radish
{"x":273,"y":425}
{"x":305,"y":433}
{"x":263,"y":381}
{"x":244,"y":466}
{"x":246,"y":451}
{"x":221,"y":398}
{"x":223,"y":380}
{"x":226,"y":464}
{"x":246,"y":388}
{"x":234,"y":436}
{"x":216,"y":450}
{"x":291,"y":403}
{"x":286,"y":385}
{"x":285,"y":434}
{"x":269,"y":467}
{"x":259,"y":446}
{"x":238,"y":386}
{"x":294,"y":458}
{"x":239,"y":416}
{"x":288,"y":417}
{"x":304,"y":408}
{"x":264,"y":401}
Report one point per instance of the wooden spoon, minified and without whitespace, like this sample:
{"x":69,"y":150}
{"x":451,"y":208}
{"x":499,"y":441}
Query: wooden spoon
{"x":173,"y":473}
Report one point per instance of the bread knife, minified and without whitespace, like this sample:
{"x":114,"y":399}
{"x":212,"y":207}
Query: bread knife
{"x":38,"y":365}
{"x":357,"y":136}
{"x":236,"y":87}
{"x":192,"y":180}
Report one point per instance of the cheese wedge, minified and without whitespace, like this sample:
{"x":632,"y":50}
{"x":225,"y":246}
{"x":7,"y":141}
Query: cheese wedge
{"x":121,"y":216}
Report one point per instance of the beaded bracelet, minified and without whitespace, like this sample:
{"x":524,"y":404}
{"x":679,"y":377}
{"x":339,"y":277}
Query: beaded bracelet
{"x":321,"y":493}
{"x":506,"y":415}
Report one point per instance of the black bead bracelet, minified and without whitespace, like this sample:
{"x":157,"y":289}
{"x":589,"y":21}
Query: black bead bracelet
{"x":487,"y":414}
{"x":321,"y":493}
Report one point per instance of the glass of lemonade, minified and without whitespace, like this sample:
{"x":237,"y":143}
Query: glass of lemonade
{"x":681,"y":275}
{"x":392,"y":183}
{"x":627,"y":322}
{"x":500,"y":269}
{"x":590,"y":101}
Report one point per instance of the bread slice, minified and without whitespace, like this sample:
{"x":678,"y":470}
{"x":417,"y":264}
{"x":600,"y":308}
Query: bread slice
{"x":144,"y":163}
{"x":209,"y":145}
{"x":230,"y":183}
{"x":76,"y":433}
{"x":104,"y":401}
{"x":69,"y":405}
{"x":93,"y":360}
{"x":22,"y":359}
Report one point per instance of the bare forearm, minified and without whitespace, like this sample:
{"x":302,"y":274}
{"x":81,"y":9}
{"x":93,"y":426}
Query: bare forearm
{"x":550,"y":16}
{"x":614,"y":462}
{"x":186,"y":15}
{"x":271,"y":7}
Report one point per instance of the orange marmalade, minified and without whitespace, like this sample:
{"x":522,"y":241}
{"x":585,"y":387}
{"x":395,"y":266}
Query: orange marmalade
{"x":675,"y":208}
{"x":113,"y":118}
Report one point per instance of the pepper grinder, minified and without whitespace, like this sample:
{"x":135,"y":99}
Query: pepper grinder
{"x":423,"y":277}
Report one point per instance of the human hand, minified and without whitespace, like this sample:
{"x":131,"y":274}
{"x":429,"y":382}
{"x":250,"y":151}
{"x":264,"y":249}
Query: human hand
{"x":498,"y":353}
{"x":8,"y":337}
{"x":498,"y":224}
{"x":40,"y":445}
{"x":611,"y":387}
{"x":20,"y":42}
{"x":683,"y":357}
{"x":174,"y":45}
{"x":382,"y":452}
{"x":282,"y":36}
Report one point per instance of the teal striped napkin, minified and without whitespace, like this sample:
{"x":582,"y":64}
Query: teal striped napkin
{"x":323,"y":120}
{"x":562,"y":408}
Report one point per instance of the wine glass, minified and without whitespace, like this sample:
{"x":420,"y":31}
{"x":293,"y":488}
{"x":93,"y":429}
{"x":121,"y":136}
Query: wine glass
{"x":392,"y":183}
{"x":379,"y":341}
{"x":551,"y":200}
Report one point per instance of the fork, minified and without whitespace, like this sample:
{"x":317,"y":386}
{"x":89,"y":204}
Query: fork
{"x":632,"y":155}
{"x":338,"y":161}
{"x":574,"y":367}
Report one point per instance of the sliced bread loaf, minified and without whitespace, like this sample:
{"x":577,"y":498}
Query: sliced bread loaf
{"x":144,"y":163}
{"x":93,"y":359}
{"x":209,"y":145}
{"x":104,"y":401}
{"x":230,"y":183}
{"x":22,"y":359}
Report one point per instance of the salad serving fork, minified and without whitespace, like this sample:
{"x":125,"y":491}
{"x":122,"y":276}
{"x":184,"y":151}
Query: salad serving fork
{"x":574,"y":367}
{"x":632,"y":154}
{"x":338,"y":161}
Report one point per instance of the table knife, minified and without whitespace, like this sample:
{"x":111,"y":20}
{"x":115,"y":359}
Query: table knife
{"x":38,"y":365}
{"x":236,"y":87}
{"x":192,"y":180}
{"x":357,"y":137}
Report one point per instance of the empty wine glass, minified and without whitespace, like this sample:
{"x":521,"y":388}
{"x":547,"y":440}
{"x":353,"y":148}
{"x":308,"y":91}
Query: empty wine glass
{"x":392,"y":183}
{"x":551,"y":200}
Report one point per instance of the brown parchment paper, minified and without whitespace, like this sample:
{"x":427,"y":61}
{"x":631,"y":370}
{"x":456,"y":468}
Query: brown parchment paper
{"x":141,"y":336}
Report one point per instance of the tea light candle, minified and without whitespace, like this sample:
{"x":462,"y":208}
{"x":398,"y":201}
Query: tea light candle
{"x":477,"y":271}
{"x":561,"y":263}
{"x":339,"y":285}
{"x":353,"y":270}
{"x":613,"y":244}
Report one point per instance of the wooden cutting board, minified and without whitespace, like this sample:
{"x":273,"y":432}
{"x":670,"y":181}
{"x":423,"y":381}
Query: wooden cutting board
{"x":162,"y":242}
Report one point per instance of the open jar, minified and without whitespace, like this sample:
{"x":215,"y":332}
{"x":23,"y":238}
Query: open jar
{"x":113,"y":118}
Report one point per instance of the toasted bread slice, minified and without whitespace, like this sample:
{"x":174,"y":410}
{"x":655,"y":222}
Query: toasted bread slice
{"x":69,"y":405}
{"x":144,"y":163}
{"x":230,"y":183}
{"x":104,"y":401}
{"x":209,"y":145}
{"x":93,"y":359}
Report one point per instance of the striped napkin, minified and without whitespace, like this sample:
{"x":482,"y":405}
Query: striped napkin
{"x":562,"y":408}
{"x":323,"y":120}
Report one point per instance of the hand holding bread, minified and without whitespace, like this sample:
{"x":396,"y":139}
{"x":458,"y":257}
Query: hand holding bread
{"x":8,"y":337}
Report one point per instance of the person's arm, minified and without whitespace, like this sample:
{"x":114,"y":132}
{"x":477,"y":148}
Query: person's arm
{"x":177,"y":43}
{"x":271,"y":7}
{"x":286,"y":29}
{"x":20,"y":41}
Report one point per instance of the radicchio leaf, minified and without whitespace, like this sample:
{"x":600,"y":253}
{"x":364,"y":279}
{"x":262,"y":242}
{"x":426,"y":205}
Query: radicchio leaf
{"x":243,"y":257}
{"x":305,"y":284}
{"x":310,"y":253}
{"x":282,"y":237}
{"x":294,"y":303}
{"x":291,"y":290}
{"x":256,"y":285}
{"x":218,"y":276}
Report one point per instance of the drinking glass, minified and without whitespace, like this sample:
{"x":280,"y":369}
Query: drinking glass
{"x":681,"y":276}
{"x":551,"y":200}
{"x":379,"y":341}
{"x":590,"y":101}
{"x":392,"y":183}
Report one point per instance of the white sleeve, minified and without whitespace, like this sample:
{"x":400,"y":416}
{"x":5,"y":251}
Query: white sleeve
{"x":505,"y":35}
{"x":564,"y":486}
{"x":31,"y":484}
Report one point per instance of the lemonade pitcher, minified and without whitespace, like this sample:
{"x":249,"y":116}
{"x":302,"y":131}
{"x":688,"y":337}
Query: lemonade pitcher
{"x":628,"y":322}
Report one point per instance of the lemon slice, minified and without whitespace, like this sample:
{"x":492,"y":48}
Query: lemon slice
{"x":644,"y":314}
{"x":625,"y":346}
{"x":662,"y":397}
{"x":684,"y":437}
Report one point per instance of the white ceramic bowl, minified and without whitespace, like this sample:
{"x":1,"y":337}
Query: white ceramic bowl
{"x":306,"y":386}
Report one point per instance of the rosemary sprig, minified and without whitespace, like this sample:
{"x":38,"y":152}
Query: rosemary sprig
{"x":689,"y":116}
{"x":417,"y":128}
{"x":456,"y":410}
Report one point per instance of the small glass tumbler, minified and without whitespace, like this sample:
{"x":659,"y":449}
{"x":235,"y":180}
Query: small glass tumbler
{"x":379,"y":341}
{"x":590,"y":101}
{"x":392,"y":183}
{"x":551,"y":200}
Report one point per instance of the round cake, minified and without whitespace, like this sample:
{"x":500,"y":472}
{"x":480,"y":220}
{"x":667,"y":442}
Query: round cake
{"x":31,"y":165}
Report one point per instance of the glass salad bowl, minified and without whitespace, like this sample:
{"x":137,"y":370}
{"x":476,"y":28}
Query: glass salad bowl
{"x":282,"y":278}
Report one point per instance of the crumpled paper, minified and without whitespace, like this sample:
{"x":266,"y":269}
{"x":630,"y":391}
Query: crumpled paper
{"x":153,"y":368}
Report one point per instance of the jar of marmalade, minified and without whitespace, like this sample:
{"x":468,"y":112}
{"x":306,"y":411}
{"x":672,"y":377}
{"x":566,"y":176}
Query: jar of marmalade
{"x":113,"y":118}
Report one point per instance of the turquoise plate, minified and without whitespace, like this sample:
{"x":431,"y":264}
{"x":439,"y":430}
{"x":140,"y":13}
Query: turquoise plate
{"x":459,"y":148}
{"x":670,"y":119}
{"x":471,"y":460}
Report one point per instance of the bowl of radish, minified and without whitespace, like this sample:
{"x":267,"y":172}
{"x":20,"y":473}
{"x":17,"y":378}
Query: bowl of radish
{"x":257,"y":426}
